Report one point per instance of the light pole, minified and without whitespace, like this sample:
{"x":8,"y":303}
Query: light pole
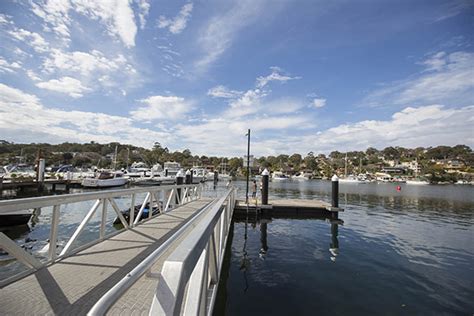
{"x":248,"y":166}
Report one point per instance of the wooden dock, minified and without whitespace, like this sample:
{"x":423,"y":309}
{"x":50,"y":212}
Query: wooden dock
{"x":73,"y":285}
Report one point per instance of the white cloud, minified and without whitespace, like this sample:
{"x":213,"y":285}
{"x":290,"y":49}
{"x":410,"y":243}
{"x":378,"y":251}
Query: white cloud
{"x":85,"y":63}
{"x":446,"y":78}
{"x":116,"y":15}
{"x":68,"y":85}
{"x":162,"y":107}
{"x":92,"y":68}
{"x":143,"y":9}
{"x":178,"y":24}
{"x":32,"y":75}
{"x":24,"y":118}
{"x":223,"y":92}
{"x":274,"y":76}
{"x":412,"y":127}
{"x":36,"y":41}
{"x":217,"y":36}
{"x":319,"y":102}
{"x":5,"y":66}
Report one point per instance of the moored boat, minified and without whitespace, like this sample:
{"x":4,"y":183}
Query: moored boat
{"x":105,"y":179}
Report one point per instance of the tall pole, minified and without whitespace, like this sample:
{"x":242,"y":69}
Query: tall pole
{"x":248,"y":166}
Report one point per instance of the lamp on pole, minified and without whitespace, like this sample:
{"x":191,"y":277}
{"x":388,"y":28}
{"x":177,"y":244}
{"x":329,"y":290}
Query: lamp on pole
{"x":248,"y":166}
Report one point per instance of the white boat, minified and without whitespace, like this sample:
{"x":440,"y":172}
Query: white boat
{"x":417,"y":182}
{"x":350,"y":179}
{"x":223,"y":175}
{"x":279,"y":176}
{"x":301,"y":177}
{"x":105,"y":179}
{"x":18,"y":170}
{"x":199,"y":174}
{"x":138,"y":169}
{"x":171,"y":169}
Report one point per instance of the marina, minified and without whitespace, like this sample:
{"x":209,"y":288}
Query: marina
{"x":300,"y":201}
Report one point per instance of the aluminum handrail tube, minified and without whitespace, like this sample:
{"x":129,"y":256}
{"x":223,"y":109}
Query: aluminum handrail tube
{"x":109,"y":298}
{"x":189,"y":251}
{"x":45,"y":201}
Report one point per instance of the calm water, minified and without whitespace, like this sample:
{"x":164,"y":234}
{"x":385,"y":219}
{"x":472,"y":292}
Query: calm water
{"x":408,"y":252}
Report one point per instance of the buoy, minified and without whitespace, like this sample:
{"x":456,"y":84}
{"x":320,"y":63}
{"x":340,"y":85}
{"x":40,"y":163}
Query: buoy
{"x":399,"y":188}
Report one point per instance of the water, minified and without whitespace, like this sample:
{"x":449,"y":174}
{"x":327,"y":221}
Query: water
{"x":408,"y":252}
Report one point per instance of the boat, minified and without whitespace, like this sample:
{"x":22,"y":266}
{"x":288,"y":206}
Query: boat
{"x":105,"y":179}
{"x":19,"y":171}
{"x":223,"y":175}
{"x":199,"y":174}
{"x":351,"y":179}
{"x":417,"y":182}
{"x":301,"y":177}
{"x":279,"y":176}
{"x":171,"y":169}
{"x":126,"y":214}
{"x":138,"y":169}
{"x":15,"y":218}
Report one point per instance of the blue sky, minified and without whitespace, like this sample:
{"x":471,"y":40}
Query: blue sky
{"x":303,"y":75}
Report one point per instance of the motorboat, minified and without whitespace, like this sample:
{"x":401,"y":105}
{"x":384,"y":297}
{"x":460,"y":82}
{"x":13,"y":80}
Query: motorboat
{"x":138,"y":169}
{"x":279,"y":176}
{"x":105,"y":179}
{"x":199,"y":174}
{"x":15,"y":218}
{"x":351,"y":179}
{"x":417,"y":182}
{"x":19,"y":171}
{"x":301,"y":177}
{"x":171,"y":169}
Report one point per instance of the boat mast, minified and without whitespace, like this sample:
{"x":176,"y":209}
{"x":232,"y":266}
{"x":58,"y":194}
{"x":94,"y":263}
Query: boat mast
{"x":345,"y":167}
{"x":115,"y":158}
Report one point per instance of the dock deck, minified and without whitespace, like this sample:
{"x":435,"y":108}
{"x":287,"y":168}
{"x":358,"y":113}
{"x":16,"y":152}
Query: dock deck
{"x":73,"y":285}
{"x":287,"y":208}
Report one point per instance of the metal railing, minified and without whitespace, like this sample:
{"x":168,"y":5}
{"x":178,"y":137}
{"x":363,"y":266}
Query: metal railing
{"x":189,"y":279}
{"x":161,"y":198}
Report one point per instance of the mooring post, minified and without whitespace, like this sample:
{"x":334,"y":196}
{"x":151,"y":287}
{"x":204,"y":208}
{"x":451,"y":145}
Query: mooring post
{"x":41,"y":168}
{"x":265,"y":178}
{"x":192,"y":177}
{"x":335,"y":195}
{"x":188,"y":177}
{"x":179,"y":181}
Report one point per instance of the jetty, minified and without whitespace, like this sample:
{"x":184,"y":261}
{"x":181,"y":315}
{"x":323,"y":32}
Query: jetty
{"x":167,"y":262}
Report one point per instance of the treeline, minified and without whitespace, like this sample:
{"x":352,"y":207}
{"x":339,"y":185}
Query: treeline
{"x":103,"y":156}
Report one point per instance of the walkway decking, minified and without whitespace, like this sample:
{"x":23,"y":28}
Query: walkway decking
{"x":73,"y":285}
{"x":287,"y":207}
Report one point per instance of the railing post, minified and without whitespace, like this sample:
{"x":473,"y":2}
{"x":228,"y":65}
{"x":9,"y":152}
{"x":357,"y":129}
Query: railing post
{"x":53,"y":235}
{"x":179,"y":181}
{"x":131,"y":215}
{"x":104,"y":219}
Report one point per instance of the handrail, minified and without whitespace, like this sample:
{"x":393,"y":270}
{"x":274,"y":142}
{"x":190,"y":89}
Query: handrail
{"x":45,"y":201}
{"x":177,"y":195}
{"x":196,"y":265}
{"x":112,"y":295}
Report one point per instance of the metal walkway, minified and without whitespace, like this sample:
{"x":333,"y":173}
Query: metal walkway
{"x":72,"y":286}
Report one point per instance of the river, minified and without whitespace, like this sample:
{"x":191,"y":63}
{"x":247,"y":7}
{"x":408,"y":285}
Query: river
{"x":409,"y":251}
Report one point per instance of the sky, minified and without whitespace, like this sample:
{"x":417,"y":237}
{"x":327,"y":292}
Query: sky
{"x":302,"y":75}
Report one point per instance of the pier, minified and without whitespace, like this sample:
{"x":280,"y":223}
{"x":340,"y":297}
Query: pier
{"x":166,"y":262}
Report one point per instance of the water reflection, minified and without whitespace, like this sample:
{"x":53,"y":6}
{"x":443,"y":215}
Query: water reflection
{"x":334,"y":245}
